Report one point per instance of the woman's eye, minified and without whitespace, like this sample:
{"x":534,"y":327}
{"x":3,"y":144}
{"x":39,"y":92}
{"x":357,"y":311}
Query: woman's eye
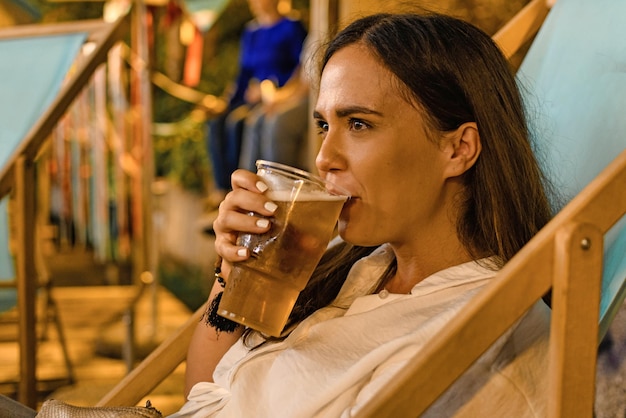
{"x":358,"y":125}
{"x":322,"y":126}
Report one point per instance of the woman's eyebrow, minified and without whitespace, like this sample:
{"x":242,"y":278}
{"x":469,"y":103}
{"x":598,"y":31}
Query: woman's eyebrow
{"x":350,"y":110}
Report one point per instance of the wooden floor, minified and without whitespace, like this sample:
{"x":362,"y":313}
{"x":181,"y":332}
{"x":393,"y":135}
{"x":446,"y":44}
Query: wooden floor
{"x":91,"y":317}
{"x":91,"y":313}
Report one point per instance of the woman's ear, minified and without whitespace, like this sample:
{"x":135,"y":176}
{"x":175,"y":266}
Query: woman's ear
{"x":462,"y":148}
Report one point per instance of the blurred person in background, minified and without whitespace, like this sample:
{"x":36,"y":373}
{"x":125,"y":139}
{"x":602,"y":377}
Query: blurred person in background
{"x":271,"y":45}
{"x":277,"y":129}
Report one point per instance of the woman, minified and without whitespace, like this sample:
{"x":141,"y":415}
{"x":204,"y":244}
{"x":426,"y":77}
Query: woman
{"x":422,"y":122}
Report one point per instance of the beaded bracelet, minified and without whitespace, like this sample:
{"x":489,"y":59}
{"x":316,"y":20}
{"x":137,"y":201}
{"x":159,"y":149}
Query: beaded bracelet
{"x":210,"y":316}
{"x":218,"y":276}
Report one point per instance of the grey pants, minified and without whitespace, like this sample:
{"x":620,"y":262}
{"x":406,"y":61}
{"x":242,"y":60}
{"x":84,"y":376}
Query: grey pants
{"x":279,"y":137}
{"x":13,"y":409}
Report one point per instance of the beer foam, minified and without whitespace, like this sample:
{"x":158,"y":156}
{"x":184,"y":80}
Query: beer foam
{"x":307,"y":196}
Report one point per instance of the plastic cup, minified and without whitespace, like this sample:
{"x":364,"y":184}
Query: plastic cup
{"x":261,"y":291}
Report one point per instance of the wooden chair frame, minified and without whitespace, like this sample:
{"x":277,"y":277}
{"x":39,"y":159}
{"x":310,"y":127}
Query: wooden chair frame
{"x":18,"y":179}
{"x":565,"y":256}
{"x":47,"y":313}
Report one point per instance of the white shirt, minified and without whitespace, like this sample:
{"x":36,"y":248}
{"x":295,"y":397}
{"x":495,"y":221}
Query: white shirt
{"x":340,"y":356}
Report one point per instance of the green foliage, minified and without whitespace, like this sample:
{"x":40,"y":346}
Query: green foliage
{"x":181,"y":154}
{"x":187,"y":282}
{"x":219,"y":70}
{"x":67,"y":11}
{"x":166,"y":108}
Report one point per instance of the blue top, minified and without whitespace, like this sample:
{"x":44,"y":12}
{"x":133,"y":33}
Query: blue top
{"x":268,"y":52}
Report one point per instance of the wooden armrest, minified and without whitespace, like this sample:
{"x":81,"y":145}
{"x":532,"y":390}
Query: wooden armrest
{"x":156,"y":367}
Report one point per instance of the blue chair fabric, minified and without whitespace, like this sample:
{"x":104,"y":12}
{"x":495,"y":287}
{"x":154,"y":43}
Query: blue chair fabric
{"x":579,"y":122}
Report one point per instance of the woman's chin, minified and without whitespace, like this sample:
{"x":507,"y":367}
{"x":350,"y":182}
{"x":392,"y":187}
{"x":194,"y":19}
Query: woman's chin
{"x":355,"y":235}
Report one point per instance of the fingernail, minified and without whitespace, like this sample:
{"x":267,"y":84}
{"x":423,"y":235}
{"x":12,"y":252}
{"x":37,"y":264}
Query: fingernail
{"x":261,"y":186}
{"x":271,"y":206}
{"x":263,"y":223}
{"x":242,"y":252}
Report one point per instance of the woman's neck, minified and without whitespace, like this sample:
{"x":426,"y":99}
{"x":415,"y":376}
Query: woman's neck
{"x":413,"y":266}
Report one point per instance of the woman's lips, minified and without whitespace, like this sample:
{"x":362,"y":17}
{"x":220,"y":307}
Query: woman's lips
{"x":351,"y":200}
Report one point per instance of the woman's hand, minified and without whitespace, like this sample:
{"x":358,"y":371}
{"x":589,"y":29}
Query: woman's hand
{"x":234,"y":215}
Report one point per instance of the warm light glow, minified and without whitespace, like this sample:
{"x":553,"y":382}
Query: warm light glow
{"x":114,"y":9}
{"x":204,"y":19}
{"x":284,"y":7}
{"x":268,"y":90}
{"x":187,"y":32}
{"x":88,"y":48}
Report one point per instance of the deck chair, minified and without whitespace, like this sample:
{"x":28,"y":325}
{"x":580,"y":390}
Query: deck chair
{"x":28,"y":116}
{"x":46,"y":308}
{"x":575,"y":71}
{"x":580,"y":254}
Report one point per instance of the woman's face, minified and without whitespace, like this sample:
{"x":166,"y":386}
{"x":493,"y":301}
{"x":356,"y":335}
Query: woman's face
{"x":262,"y":7}
{"x":375,"y":146}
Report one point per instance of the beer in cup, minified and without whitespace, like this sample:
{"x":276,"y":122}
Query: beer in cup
{"x":261,"y":291}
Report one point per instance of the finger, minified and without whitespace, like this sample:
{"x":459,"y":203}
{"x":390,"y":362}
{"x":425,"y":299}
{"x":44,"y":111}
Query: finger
{"x":242,"y":211}
{"x":233,"y":222}
{"x":229,"y":225}
{"x":229,"y":251}
{"x":245,"y":201}
{"x":244,"y":179}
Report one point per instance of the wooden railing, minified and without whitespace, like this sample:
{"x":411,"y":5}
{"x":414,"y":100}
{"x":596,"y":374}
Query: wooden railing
{"x":18,"y":179}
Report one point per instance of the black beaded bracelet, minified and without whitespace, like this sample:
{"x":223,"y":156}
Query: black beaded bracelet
{"x":219,"y":278}
{"x":211,"y":317}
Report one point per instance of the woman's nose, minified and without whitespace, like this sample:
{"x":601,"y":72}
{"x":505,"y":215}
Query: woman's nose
{"x":329,"y":158}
